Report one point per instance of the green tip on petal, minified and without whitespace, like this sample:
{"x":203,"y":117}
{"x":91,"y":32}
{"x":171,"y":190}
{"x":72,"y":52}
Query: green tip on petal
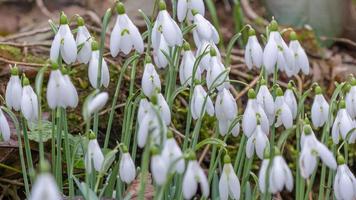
{"x":120,"y":8}
{"x":340,"y":159}
{"x":80,"y":21}
{"x":162,"y":5}
{"x":342,"y":104}
{"x":148,"y":59}
{"x":169,"y":134}
{"x":194,"y":12}
{"x":306,"y":121}
{"x":63,"y":18}
{"x":91,"y":135}
{"x":154,"y":99}
{"x":266,"y":153}
{"x":318,"y":90}
{"x":251,"y":32}
{"x":196,"y":82}
{"x":212,"y":52}
{"x":25,"y":80}
{"x":290,"y":85}
{"x":154,"y":150}
{"x":227,"y":159}
{"x":293,"y":36}
{"x":124,"y":149}
{"x":251,"y":94}
{"x":54,"y":66}
{"x":276,"y":151}
{"x":307,"y":129}
{"x":279,"y":92}
{"x":263,"y":81}
{"x":45,"y":166}
{"x":273,"y":26}
{"x":14,"y":71}
{"x":186,"y":46}
{"x":94,"y":46}
{"x":191,"y":155}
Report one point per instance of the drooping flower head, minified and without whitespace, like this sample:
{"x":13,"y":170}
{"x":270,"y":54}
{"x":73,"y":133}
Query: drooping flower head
{"x":300,"y":57}
{"x":94,"y":157}
{"x":290,"y":100}
{"x":185,"y":7}
{"x":151,"y":84}
{"x":265,"y":99}
{"x":125,"y":36}
{"x":4,"y":128}
{"x":93,"y":70}
{"x":350,"y":99}
{"x":320,"y":109}
{"x":159,"y":166}
{"x":217,"y":76}
{"x":199,"y":105}
{"x":226,"y":112}
{"x":186,"y":68}
{"x":171,"y":152}
{"x":29,"y":101}
{"x":14,"y":90}
{"x":344,"y":182}
{"x":253,"y":51}
{"x":204,"y":30}
{"x":282,"y":111}
{"x":127,"y":170}
{"x":229,"y":184}
{"x":343,"y":123}
{"x":83,"y":41}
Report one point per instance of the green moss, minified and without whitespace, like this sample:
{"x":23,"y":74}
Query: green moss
{"x":10,"y":52}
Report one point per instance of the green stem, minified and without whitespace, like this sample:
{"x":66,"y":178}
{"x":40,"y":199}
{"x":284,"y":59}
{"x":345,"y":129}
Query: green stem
{"x":53,"y":141}
{"x":27,"y":149}
{"x":58,"y":173}
{"x":144,"y":171}
{"x":67,"y":153}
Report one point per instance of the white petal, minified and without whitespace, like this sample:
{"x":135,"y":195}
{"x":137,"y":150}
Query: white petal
{"x":115,"y":39}
{"x":270,"y":55}
{"x":250,"y":147}
{"x":190,"y":185}
{"x":55,"y":47}
{"x":326,"y":156}
{"x":127,"y":169}
{"x":164,"y":109}
{"x":182,"y":8}
{"x":97,"y":103}
{"x":158,"y":169}
{"x":262,"y":175}
{"x":223,"y":187}
{"x":45,"y":188}
{"x":69,"y":48}
{"x":143,"y":131}
{"x":4,"y":127}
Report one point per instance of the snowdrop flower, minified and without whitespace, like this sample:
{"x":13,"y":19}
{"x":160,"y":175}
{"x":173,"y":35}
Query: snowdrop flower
{"x":29,"y":102}
{"x":14,"y":90}
{"x":97,"y":103}
{"x":290,"y":100}
{"x":57,"y":89}
{"x":205,"y":47}
{"x":252,"y":114}
{"x":83,"y":41}
{"x":300,"y":57}
{"x":163,"y":109}
{"x":226,"y":111}
{"x":171,"y":152}
{"x":143,"y":108}
{"x":194,"y":174}
{"x":350,"y":100}
{"x":343,"y":123}
{"x":259,"y":141}
{"x":311,"y":149}
{"x":94,"y":68}
{"x":125,"y":35}
{"x":280,"y":174}
{"x":204,"y":30}
{"x":344,"y":182}
{"x":265,"y":99}
{"x":165,"y":26}
{"x":278,"y":53}
{"x":150,"y":80}
{"x":185,"y":7}
{"x":197,"y":106}
{"x":253,"y":51}
{"x":320,"y":109}
{"x":158,"y":52}
{"x":4,"y":127}
{"x":45,"y":188}
{"x":217,"y":76}
{"x":159,"y":167}
{"x":127,"y":170}
{"x":229,"y":184}
{"x":186,"y":68}
{"x":72,"y":94}
{"x":63,"y":43}
{"x":282,"y":111}
{"x":94,"y":157}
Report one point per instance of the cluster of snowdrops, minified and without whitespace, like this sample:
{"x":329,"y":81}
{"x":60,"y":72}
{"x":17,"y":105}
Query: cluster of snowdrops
{"x":174,"y":166}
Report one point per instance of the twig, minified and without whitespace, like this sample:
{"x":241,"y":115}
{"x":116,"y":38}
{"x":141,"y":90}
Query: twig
{"x":15,"y":44}
{"x":205,"y":151}
{"x":21,"y":63}
{"x":250,"y":85}
{"x":245,"y":5}
{"x":342,"y":40}
{"x":43,"y":8}
{"x":25,"y":34}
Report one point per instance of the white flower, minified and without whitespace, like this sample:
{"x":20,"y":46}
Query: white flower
{"x":14,"y":91}
{"x":187,"y":66}
{"x":63,"y":43}
{"x":194,"y":175}
{"x":205,"y":47}
{"x":278,"y":53}
{"x":83,"y":41}
{"x":72,"y":94}
{"x":350,"y":100}
{"x":280,"y":175}
{"x":94,"y":70}
{"x":344,"y":183}
{"x":184,"y":9}
{"x":163,"y":109}
{"x":159,"y":169}
{"x":4,"y":127}
{"x":97,"y":102}
{"x":311,"y":148}
{"x":94,"y":156}
{"x":150,"y":81}
{"x":300,"y":57}
{"x":197,"y":105}
{"x":125,"y":36}
{"x":226,"y":112}
{"x":204,"y":30}
{"x":291,"y":101}
{"x":252,"y":111}
{"x":57,"y":90}
{"x":158,"y":52}
{"x":45,"y":188}
{"x":265,"y":99}
{"x":29,"y":102}
{"x":217,"y":76}
{"x":166,"y":26}
{"x":143,"y":108}
{"x":229,"y":184}
{"x":171,"y":152}
{"x":282,"y":111}
{"x":127,"y":170}
{"x":253,"y":51}
{"x":342,"y":124}
{"x":320,"y":109}
{"x":259,"y":141}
